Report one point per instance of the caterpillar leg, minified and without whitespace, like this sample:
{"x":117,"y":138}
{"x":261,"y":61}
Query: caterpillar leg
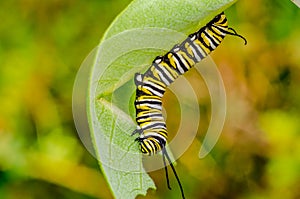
{"x":138,"y":79}
{"x":137,"y":130}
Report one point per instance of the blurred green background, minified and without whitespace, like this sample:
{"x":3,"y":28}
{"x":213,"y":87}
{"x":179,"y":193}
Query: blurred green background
{"x":43,"y":43}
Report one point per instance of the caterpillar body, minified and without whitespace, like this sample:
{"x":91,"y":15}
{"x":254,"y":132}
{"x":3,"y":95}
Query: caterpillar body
{"x":164,"y":70}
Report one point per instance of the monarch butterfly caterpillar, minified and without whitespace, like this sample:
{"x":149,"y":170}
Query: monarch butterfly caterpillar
{"x":151,"y":85}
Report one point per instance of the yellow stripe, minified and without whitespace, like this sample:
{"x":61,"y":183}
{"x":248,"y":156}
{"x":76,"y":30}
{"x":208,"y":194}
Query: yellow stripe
{"x":155,"y":72}
{"x":171,"y":70}
{"x":205,"y":49}
{"x":150,"y":79}
{"x":157,"y":144}
{"x":186,"y":57}
{"x":153,"y":111}
{"x":219,"y":38}
{"x":205,"y":39}
{"x":145,"y":149}
{"x":149,"y":97}
{"x":171,"y":59}
{"x":188,"y":49}
{"x":147,"y":146}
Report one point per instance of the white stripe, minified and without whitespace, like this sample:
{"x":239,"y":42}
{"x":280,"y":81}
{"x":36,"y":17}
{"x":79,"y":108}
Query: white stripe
{"x":155,"y":85}
{"x":222,"y":28}
{"x":202,"y":52}
{"x":184,"y":62}
{"x":149,"y":98}
{"x":153,"y":134}
{"x":211,"y":38}
{"x":145,"y":126}
{"x":150,"y":114}
{"x":155,"y":106}
{"x":152,"y":118}
{"x":152,"y":146}
{"x":195,"y":53}
{"x":178,"y":65}
{"x":163,"y":79}
{"x":167,"y":73}
{"x":158,"y":60}
{"x":181,"y":59}
{"x":157,"y":93}
{"x":145,"y":101}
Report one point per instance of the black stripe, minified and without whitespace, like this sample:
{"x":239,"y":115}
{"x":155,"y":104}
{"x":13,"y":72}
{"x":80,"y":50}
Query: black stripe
{"x":185,"y":50}
{"x":161,"y":142}
{"x":210,"y":38}
{"x":221,"y":30}
{"x":180,"y":63}
{"x":215,"y":33}
{"x":203,"y":43}
{"x":182,"y":49}
{"x":154,"y":88}
{"x":154,"y":143}
{"x":154,"y":125}
{"x":149,"y":116}
{"x":147,"y":101}
{"x":196,"y":49}
{"x":224,"y":21}
{"x":150,"y":127}
{"x":163,"y":73}
{"x":167,"y":61}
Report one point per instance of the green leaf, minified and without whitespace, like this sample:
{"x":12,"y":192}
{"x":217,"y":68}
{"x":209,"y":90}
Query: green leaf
{"x":142,"y":31}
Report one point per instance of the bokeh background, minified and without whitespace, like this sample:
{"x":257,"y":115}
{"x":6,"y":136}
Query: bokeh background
{"x":43,"y":43}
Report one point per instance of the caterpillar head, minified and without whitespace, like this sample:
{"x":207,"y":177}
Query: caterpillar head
{"x":150,"y":145}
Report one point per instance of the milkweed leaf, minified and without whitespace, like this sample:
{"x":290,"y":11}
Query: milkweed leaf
{"x":142,"y":31}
